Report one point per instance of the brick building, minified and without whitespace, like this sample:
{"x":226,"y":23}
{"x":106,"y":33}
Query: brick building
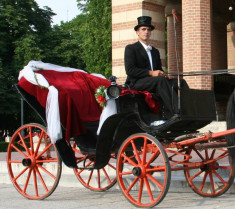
{"x":205,"y":37}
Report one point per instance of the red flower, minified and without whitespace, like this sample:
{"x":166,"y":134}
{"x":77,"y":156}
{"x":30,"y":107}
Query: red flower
{"x":101,"y":99}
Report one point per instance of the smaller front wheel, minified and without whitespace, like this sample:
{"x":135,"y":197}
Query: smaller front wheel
{"x":143,"y":170}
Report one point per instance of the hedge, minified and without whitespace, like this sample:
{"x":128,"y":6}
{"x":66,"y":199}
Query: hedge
{"x":4,"y":146}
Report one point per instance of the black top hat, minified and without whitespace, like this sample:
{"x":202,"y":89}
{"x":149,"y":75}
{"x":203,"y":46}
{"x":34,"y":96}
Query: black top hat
{"x":144,"y":21}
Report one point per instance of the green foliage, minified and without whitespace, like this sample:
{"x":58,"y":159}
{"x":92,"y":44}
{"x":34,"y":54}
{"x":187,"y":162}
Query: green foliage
{"x":97,"y":44}
{"x":26,"y":34}
{"x":27,"y":48}
{"x":65,"y":48}
{"x":23,"y":27}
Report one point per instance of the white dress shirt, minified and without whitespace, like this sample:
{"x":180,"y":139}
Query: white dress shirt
{"x":148,"y":49}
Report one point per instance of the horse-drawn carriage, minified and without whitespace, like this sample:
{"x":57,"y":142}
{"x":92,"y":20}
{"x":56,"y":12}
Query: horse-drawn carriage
{"x":127,"y":149}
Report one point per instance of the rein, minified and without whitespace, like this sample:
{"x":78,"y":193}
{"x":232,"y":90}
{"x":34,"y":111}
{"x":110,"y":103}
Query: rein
{"x":206,"y":72}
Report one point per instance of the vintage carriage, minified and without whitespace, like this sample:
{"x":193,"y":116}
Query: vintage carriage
{"x":128,"y":149}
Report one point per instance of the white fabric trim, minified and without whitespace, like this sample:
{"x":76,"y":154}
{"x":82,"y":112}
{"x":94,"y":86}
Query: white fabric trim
{"x":53,"y":114}
{"x":109,"y":110}
{"x":52,"y":104}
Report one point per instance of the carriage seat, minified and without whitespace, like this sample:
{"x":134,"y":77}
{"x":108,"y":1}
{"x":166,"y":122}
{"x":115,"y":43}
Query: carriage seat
{"x":197,"y":109}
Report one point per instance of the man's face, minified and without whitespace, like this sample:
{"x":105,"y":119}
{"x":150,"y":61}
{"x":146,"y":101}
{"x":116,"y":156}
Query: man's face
{"x":144,"y":33}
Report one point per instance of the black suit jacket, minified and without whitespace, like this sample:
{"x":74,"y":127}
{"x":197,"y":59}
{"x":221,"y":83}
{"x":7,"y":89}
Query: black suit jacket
{"x":137,"y":62}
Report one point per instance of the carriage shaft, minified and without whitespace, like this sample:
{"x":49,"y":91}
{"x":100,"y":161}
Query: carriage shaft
{"x":205,"y":137}
{"x":211,"y":145}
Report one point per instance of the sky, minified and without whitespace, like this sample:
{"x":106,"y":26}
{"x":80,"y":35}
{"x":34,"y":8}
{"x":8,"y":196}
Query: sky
{"x":66,"y":10}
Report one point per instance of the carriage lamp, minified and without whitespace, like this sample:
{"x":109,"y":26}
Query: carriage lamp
{"x":114,"y":90}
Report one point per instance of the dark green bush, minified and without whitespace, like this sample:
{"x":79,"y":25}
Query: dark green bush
{"x":4,"y":146}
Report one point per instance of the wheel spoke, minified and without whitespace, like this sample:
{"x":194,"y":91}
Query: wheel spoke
{"x":35,"y":182}
{"x":129,"y":160}
{"x":27,"y":180}
{"x":41,"y":179}
{"x":85,"y":167}
{"x":212,"y":154}
{"x":140,"y":190}
{"x":144,"y":151}
{"x":206,"y":154}
{"x":219,"y":177}
{"x":98,"y":178}
{"x":155,"y":181}
{"x":89,"y":179}
{"x":148,"y":189}
{"x":136,"y":152}
{"x":223,"y":167}
{"x":106,"y":175}
{"x":156,"y":168}
{"x":24,"y":145}
{"x":111,"y":166}
{"x":132,"y":184}
{"x":152,"y":158}
{"x":38,"y":144}
{"x":212,"y":182}
{"x":19,"y":151}
{"x":197,"y":174}
{"x":31,"y":140}
{"x":52,"y":160}
{"x":22,"y":172}
{"x":45,"y":149}
{"x":203,"y":181}
{"x":199,"y":154}
{"x":46,"y":171}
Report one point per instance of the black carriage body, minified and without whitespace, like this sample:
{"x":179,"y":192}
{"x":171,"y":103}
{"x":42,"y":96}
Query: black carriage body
{"x":197,"y":109}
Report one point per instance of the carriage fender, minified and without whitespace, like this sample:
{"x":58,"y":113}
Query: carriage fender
{"x":107,"y":136}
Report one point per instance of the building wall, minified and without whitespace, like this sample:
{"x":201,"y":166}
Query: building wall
{"x":196,"y":20}
{"x":174,"y":44}
{"x":231,"y":45}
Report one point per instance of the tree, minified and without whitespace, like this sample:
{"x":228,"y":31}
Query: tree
{"x":66,"y":46}
{"x":97,"y":44}
{"x":23,"y":35}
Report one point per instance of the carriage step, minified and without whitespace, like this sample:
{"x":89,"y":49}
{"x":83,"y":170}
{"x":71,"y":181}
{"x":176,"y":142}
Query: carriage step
{"x":86,"y":168}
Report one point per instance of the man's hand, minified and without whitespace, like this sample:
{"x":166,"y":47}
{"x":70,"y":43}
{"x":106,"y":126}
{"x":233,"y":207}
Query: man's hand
{"x":156,"y":73}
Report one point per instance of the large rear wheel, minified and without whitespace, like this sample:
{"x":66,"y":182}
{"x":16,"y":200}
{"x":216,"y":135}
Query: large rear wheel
{"x":143,"y":170}
{"x":33,"y":163}
{"x":211,"y":172}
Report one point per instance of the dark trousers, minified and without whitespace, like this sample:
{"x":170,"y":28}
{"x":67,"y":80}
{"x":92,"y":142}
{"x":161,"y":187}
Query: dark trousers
{"x":164,"y":87}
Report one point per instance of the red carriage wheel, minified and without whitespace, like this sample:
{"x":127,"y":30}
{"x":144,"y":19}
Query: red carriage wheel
{"x":211,"y":172}
{"x":94,"y":179}
{"x":33,"y":162}
{"x":144,"y":177}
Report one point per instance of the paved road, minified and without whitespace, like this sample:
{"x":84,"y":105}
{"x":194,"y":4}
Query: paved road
{"x":75,"y":198}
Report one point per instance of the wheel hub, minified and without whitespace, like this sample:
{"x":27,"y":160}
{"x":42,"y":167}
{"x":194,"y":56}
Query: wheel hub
{"x":136,"y":171}
{"x":26,"y":162}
